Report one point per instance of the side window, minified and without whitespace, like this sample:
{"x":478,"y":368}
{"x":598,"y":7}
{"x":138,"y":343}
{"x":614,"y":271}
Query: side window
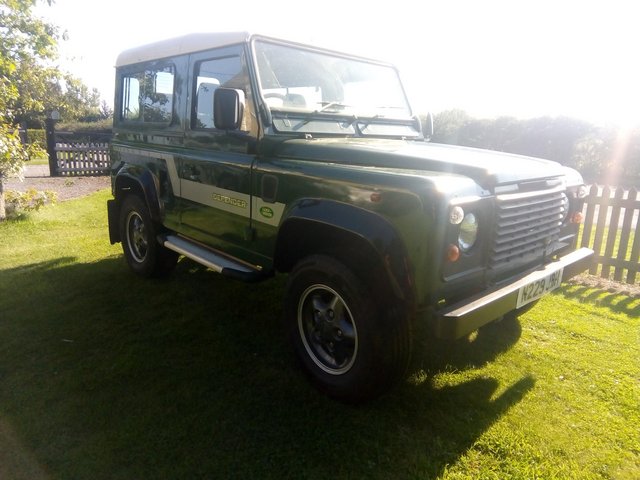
{"x":210,"y":74}
{"x":147,"y":96}
{"x":131,"y":98}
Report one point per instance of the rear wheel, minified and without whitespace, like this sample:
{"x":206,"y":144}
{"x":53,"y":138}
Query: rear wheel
{"x":144,"y":255}
{"x":349,"y":342}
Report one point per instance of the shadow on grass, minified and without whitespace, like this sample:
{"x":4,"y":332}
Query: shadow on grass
{"x":472,"y":351}
{"x":614,"y":301}
{"x":105,"y":375}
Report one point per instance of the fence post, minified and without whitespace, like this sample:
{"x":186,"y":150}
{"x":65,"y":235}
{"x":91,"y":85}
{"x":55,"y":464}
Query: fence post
{"x":50,"y":129}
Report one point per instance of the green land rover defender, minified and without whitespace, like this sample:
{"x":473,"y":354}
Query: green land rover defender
{"x":252,"y":156}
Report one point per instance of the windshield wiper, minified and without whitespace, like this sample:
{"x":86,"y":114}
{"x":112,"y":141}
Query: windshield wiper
{"x":326,"y":106}
{"x":368,"y":121}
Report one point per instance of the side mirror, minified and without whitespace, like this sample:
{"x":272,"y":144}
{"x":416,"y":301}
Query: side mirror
{"x":228,"y":108}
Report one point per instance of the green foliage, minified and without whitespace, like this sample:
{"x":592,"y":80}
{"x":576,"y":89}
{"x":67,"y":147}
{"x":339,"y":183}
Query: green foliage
{"x":72,"y":99}
{"x":30,"y":84}
{"x":24,"y":41}
{"x":37,"y":136}
{"x":12,"y":152}
{"x":601,"y":154}
{"x":27,"y":44}
{"x":19,"y":204}
{"x":99,"y":126}
{"x":106,"y":375}
{"x":12,"y":157}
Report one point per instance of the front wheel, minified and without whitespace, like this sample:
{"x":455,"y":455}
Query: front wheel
{"x":144,"y":255}
{"x":352,"y":345}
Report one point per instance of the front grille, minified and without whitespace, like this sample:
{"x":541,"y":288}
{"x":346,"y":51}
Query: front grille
{"x":527,"y":227}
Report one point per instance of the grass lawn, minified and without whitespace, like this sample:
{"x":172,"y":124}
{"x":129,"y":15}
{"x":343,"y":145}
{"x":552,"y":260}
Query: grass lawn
{"x":105,"y":375}
{"x":38,"y":161}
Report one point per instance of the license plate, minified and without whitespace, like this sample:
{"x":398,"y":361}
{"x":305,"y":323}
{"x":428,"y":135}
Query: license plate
{"x":537,"y":289}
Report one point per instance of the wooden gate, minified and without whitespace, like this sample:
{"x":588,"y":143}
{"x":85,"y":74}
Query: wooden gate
{"x":82,"y":153}
{"x":85,"y":159}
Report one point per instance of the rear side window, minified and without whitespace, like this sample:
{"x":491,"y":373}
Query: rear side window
{"x":211,"y":74}
{"x":147,"y":96}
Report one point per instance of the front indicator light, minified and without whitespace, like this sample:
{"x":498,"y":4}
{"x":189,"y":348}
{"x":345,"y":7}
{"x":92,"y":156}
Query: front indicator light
{"x":453,"y":253}
{"x":468,"y":232}
{"x":577,"y":218}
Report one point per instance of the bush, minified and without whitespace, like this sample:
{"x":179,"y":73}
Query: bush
{"x":86,"y":127}
{"x":37,"y":136}
{"x":19,"y":204}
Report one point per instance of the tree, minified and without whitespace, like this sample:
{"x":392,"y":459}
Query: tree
{"x":29,"y":85}
{"x":73,"y":99}
{"x":599,"y":153}
{"x":24,"y":41}
{"x":447,"y":126}
{"x":12,"y":155}
{"x":106,"y":112}
{"x":28,"y":46}
{"x":590,"y":155}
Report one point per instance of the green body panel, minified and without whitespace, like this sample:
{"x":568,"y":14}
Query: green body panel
{"x":402,"y":201}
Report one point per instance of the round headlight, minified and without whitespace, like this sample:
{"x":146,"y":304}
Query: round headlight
{"x":468,"y":232}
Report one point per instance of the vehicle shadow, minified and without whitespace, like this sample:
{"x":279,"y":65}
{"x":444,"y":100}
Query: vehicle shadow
{"x":106,"y":375}
{"x":471,"y":351}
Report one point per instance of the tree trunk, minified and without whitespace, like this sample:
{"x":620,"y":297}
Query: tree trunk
{"x":3,"y":212}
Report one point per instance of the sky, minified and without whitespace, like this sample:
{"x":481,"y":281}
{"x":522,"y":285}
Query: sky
{"x":520,"y":58}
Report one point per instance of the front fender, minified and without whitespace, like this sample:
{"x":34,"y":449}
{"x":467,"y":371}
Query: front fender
{"x":348,"y":232}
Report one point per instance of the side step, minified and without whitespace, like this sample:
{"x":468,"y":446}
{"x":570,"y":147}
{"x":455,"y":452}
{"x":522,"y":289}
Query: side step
{"x":214,"y":260}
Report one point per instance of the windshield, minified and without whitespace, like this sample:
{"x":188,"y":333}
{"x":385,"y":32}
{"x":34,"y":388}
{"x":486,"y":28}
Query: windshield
{"x":319,"y":83}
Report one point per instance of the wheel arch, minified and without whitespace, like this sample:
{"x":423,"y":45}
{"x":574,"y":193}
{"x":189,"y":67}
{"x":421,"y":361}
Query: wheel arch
{"x":356,"y":237}
{"x":131,"y":179}
{"x":142,"y":182}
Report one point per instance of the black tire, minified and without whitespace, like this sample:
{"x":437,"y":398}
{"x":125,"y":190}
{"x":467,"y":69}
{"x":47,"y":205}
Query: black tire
{"x":144,"y":255}
{"x":353,"y":345}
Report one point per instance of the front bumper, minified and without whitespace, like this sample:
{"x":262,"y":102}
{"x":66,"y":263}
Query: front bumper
{"x":470,"y":314}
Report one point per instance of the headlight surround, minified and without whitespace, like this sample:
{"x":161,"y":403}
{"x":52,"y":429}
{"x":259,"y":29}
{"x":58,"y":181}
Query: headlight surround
{"x":582,"y":192}
{"x":566,"y":207}
{"x":468,"y":232}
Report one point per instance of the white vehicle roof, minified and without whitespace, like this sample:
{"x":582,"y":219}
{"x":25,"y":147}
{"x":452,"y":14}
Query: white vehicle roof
{"x":194,"y":42}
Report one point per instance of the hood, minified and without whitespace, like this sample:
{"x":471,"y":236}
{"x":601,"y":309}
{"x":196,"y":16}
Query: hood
{"x":485,"y":167}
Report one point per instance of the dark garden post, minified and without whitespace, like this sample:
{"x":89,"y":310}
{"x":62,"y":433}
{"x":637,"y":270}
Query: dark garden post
{"x":50,"y":128}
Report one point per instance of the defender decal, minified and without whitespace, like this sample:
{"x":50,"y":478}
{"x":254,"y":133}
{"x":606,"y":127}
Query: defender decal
{"x":236,"y":202}
{"x":220,"y":198}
